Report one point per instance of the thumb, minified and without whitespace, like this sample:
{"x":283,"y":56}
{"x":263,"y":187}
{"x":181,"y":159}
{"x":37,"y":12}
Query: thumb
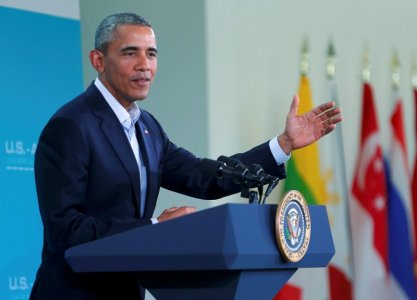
{"x":294,"y":106}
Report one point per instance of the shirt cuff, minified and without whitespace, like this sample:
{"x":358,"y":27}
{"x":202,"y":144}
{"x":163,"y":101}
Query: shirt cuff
{"x":279,"y":155}
{"x":154,"y":220}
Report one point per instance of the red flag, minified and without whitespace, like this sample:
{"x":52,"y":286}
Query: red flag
{"x":340,"y":284}
{"x":369,"y":209}
{"x":289,"y":291}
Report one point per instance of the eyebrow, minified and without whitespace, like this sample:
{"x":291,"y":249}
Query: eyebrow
{"x":133,"y":48}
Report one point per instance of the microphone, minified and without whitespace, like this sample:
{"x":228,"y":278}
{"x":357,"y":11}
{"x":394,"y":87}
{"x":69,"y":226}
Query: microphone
{"x":230,"y":161}
{"x":265,"y":178}
{"x":254,"y":169}
{"x":247,"y":177}
{"x":219,"y":169}
{"x":257,"y":171}
{"x":260,"y":173}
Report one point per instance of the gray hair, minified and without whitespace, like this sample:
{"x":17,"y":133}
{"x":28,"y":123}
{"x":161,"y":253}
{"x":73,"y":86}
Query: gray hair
{"x":105,"y":30}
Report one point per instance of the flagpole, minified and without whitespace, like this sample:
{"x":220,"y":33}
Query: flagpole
{"x":414,"y":74}
{"x":395,"y":72}
{"x":305,"y":60}
{"x":331,"y":61}
{"x":366,"y":65}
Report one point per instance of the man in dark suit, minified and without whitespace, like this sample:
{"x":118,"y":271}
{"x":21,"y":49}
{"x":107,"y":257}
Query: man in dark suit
{"x":101,"y":161}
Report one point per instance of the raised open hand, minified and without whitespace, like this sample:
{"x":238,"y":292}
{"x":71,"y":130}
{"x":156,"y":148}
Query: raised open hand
{"x":303,"y":130}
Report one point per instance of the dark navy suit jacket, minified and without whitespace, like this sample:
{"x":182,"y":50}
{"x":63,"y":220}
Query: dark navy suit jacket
{"x":87,"y":181}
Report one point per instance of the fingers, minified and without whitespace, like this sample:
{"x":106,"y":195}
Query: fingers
{"x":170,"y":209}
{"x":329,"y":118}
{"x":181,"y":209}
{"x":330,"y":124}
{"x":318,"y":110}
{"x":175,"y":212}
{"x":328,"y":129}
{"x":336,"y":119}
{"x":330,"y":113}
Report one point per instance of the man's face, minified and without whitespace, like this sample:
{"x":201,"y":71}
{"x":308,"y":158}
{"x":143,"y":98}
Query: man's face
{"x":129,"y":65}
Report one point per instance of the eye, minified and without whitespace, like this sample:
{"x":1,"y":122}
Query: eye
{"x":152,"y":54}
{"x":129,"y":52}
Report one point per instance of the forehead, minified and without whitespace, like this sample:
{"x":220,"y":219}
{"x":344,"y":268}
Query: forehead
{"x":136,"y":35}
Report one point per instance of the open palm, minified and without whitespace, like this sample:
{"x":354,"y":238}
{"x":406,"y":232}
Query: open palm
{"x":303,"y":130}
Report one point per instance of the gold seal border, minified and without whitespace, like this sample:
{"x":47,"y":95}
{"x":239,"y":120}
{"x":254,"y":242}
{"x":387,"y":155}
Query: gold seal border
{"x":289,"y":255}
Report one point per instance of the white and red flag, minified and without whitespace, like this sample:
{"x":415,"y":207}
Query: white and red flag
{"x":369,"y":209}
{"x":332,"y":156}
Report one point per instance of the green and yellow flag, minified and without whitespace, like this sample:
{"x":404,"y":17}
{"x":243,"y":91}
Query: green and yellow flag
{"x":303,"y":168}
{"x":303,"y":174}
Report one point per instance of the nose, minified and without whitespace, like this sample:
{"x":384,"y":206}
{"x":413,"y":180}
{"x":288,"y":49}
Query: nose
{"x":142,"y":63}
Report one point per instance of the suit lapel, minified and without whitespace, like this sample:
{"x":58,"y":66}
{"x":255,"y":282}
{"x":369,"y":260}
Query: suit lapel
{"x":150,"y":161}
{"x":114,"y":132}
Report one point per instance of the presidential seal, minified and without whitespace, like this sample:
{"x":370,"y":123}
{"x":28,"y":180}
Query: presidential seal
{"x":293,"y":226}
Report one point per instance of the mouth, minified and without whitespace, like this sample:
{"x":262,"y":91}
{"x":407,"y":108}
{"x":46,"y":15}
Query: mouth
{"x":141,"y":80}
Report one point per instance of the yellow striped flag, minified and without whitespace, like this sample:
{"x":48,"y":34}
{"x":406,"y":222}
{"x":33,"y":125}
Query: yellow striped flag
{"x":303,"y":174}
{"x":303,"y":168}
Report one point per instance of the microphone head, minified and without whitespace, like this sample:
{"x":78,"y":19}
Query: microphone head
{"x":256,"y":169}
{"x":230,"y":161}
{"x":221,"y":170}
{"x":211,"y":167}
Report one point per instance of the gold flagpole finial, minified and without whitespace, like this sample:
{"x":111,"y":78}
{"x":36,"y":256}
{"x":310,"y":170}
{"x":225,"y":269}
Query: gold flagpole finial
{"x":414,"y":72}
{"x":331,"y":61}
{"x":395,"y":70}
{"x":366,"y":65}
{"x":305,"y":60}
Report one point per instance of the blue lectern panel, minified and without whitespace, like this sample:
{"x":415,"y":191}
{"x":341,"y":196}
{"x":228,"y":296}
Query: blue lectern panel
{"x":227,"y":237}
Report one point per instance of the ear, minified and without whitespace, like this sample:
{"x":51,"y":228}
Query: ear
{"x":96,"y":59}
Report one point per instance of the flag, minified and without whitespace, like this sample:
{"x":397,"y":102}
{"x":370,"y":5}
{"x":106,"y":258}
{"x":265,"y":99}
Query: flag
{"x":333,"y":165}
{"x":303,"y":174}
{"x":400,"y":221}
{"x":414,"y":184}
{"x":289,"y":291}
{"x":368,"y":209}
{"x":303,"y":168}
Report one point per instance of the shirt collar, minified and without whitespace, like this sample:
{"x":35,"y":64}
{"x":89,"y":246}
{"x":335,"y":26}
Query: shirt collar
{"x":126,"y":117}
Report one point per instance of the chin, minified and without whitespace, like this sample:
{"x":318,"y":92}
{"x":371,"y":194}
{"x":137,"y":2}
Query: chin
{"x":141,"y":97}
{"x":138,"y":96}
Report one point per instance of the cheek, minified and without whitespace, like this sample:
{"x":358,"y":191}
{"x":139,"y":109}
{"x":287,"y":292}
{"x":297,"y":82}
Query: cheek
{"x":154,"y":68}
{"x":121,"y":75}
{"x":121,"y":69}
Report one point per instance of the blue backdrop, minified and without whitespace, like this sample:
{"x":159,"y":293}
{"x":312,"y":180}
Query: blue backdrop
{"x":40,"y":69}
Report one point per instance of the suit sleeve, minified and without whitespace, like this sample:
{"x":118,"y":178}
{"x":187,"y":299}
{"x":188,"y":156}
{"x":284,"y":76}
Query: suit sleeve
{"x":62,"y":174}
{"x":181,"y":172}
